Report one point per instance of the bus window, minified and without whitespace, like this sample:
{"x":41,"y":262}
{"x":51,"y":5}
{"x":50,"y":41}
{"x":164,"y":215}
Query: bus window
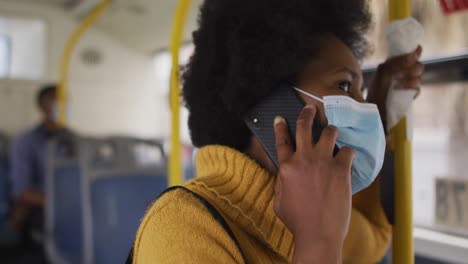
{"x":440,"y":153}
{"x":5,"y":56}
{"x":440,"y":121}
{"x":17,"y":59}
{"x":162,"y":69}
{"x":444,"y":35}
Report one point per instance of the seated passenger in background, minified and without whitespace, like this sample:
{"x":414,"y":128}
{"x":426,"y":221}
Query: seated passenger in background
{"x":28,"y":165}
{"x":302,"y":211}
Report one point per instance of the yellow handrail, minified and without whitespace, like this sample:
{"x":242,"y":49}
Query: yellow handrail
{"x":175,"y":157}
{"x":403,"y":249}
{"x":62,"y":93}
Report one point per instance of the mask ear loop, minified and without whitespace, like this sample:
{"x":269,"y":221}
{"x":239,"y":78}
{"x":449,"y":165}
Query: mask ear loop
{"x":308,"y":94}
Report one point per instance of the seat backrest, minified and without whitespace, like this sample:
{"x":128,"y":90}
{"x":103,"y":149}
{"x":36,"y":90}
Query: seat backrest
{"x":4,"y":182}
{"x":63,"y":211}
{"x":122,"y":177}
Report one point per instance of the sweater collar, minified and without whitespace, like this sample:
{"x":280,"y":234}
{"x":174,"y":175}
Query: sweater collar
{"x":245,"y":191}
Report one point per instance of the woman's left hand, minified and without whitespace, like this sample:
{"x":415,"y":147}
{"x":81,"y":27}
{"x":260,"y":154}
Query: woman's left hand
{"x":405,"y":69}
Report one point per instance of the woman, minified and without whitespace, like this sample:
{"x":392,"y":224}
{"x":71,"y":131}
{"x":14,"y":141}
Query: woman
{"x":243,"y":50}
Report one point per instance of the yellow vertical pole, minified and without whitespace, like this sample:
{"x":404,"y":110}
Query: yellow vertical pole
{"x":175,"y":157}
{"x":403,"y":249}
{"x":62,"y":93}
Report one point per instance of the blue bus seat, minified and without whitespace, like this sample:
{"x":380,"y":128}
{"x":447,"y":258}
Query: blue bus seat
{"x":118,"y":205}
{"x":8,"y":235}
{"x":63,"y":211}
{"x":122,"y":176}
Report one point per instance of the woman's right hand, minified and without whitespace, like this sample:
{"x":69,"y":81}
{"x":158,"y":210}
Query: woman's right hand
{"x":313,"y":190}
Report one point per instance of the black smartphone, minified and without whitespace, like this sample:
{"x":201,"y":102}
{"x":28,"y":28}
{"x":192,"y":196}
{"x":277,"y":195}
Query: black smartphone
{"x":285,"y":102}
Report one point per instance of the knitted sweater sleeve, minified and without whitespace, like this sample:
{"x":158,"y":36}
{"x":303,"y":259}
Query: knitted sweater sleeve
{"x":369,"y":233}
{"x":179,"y":229}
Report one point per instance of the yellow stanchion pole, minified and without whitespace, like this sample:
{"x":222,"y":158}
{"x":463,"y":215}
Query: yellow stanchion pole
{"x":62,"y":93}
{"x":403,"y":249}
{"x":175,"y":157}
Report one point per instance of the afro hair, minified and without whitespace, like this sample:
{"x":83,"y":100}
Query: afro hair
{"x":245,"y":48}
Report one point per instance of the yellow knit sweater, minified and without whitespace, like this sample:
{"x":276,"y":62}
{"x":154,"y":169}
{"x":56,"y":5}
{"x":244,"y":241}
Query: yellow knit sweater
{"x":179,"y":229}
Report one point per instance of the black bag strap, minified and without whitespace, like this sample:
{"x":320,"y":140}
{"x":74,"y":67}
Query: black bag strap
{"x":216,"y":215}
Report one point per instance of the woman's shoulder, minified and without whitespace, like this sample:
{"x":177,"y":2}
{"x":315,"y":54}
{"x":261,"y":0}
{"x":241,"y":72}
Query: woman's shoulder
{"x":174,"y":203}
{"x":179,"y":218}
{"x":173,"y":196}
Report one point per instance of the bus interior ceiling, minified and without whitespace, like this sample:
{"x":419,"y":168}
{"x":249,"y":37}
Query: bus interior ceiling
{"x":118,"y":107}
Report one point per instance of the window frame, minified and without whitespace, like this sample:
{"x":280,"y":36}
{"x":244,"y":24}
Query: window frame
{"x":8,"y":56}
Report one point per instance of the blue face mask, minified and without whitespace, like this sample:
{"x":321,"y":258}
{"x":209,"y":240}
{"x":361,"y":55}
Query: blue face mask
{"x":361,"y":129}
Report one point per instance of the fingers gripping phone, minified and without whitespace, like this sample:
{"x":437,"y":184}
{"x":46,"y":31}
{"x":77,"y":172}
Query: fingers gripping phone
{"x":284,"y":102}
